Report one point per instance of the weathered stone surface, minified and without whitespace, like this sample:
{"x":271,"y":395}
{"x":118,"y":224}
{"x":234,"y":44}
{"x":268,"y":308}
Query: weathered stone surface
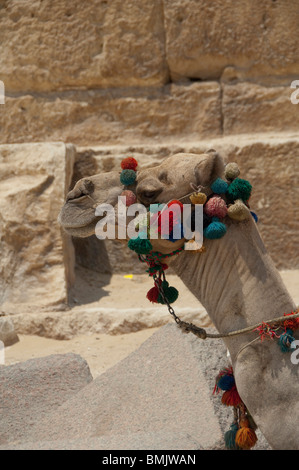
{"x":59,"y":46}
{"x":36,"y":259}
{"x":162,"y":390}
{"x":114,"y":116}
{"x":29,"y":390}
{"x":8,"y":334}
{"x":256,"y":40}
{"x":250,"y":108}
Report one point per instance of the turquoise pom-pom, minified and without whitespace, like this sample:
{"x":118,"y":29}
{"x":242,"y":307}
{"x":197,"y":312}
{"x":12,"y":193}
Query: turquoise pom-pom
{"x":239,"y":189}
{"x":219,"y":186}
{"x":127,"y":177}
{"x":230,"y":437}
{"x":215,"y":230}
{"x":285,"y":340}
{"x":140,"y":245}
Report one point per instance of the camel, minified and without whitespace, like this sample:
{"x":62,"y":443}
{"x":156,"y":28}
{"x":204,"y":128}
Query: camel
{"x":234,"y":279}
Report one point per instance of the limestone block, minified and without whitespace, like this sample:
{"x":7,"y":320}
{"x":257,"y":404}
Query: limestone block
{"x":249,"y":107}
{"x":61,"y":45}
{"x":30,"y":390}
{"x":114,"y":116}
{"x":255,"y":39}
{"x":8,"y":334}
{"x":36,"y":259}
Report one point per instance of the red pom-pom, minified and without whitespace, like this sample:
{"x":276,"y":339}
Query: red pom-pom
{"x":153,"y":295}
{"x":130,"y":197}
{"x":216,"y":207}
{"x":129,"y":163}
{"x":177,"y":203}
{"x":231,"y":397}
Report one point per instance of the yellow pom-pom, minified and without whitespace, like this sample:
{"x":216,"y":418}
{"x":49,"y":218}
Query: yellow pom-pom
{"x":238,"y":211}
{"x":246,"y":438}
{"x":231,"y":171}
{"x":198,"y":198}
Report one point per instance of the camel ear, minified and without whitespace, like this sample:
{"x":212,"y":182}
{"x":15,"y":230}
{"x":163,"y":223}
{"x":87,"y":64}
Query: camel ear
{"x":209,"y":168}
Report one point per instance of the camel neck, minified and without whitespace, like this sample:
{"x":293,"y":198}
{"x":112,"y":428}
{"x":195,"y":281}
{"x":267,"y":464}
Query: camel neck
{"x":235,"y":279}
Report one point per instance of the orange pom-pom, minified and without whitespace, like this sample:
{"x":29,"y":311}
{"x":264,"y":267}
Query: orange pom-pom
{"x":231,"y":397}
{"x":129,"y":163}
{"x":246,"y":438}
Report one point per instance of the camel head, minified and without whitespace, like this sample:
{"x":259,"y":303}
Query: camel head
{"x":172,"y":179}
{"x":77,"y":216}
{"x":176,"y":175}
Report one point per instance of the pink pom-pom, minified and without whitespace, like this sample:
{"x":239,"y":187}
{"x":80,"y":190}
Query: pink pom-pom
{"x":216,"y":207}
{"x":130,"y":197}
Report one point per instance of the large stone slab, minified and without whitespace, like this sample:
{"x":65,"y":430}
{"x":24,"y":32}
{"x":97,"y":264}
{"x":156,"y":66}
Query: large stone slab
{"x":159,"y":397}
{"x":31,"y":389}
{"x":256,"y":40}
{"x":58,"y":45}
{"x":36,"y":258}
{"x":113,"y":116}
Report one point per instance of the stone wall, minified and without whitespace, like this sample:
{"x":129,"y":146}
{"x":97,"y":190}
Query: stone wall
{"x":146,"y":78}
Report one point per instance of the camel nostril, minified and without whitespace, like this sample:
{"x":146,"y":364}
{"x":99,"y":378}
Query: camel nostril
{"x":85,"y":188}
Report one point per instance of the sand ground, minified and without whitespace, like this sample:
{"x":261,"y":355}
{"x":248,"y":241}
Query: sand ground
{"x":102,"y":351}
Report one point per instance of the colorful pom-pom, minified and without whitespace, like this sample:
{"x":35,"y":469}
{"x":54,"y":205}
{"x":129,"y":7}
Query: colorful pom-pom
{"x":226,"y":382}
{"x":238,"y":211}
{"x":246,"y":438}
{"x":239,"y":189}
{"x":130,"y":197}
{"x":198,"y":198}
{"x":231,"y":397}
{"x":216,"y":207}
{"x":231,"y":171}
{"x":291,"y":323}
{"x":219,"y":186}
{"x":286,"y":340}
{"x":170,"y":293}
{"x":127,"y":177}
{"x":153,"y":295}
{"x":215,"y":230}
{"x":129,"y":163}
{"x":230,"y":437}
{"x":140,"y":246}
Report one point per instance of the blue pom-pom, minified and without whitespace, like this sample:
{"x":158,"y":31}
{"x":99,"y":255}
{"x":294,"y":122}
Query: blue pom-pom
{"x":254,"y":216}
{"x":219,"y":186}
{"x":285,"y":340}
{"x":127,"y":177}
{"x":226,"y":382}
{"x":230,"y":437}
{"x":215,"y":230}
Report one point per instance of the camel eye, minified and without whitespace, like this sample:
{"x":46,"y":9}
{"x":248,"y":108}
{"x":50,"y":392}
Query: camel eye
{"x":163,"y":177}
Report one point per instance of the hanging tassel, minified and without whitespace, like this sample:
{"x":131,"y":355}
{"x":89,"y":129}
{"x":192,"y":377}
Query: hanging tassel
{"x":170,"y":293}
{"x":142,"y":246}
{"x":231,"y":397}
{"x":230,"y":437}
{"x":245,"y":438}
{"x":286,"y":340}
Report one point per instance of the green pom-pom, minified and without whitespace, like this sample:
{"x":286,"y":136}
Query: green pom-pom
{"x":219,"y":186}
{"x":239,"y":189}
{"x":230,"y":437}
{"x":127,"y":177}
{"x":140,"y":246}
{"x":170,"y":293}
{"x":215,"y":230}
